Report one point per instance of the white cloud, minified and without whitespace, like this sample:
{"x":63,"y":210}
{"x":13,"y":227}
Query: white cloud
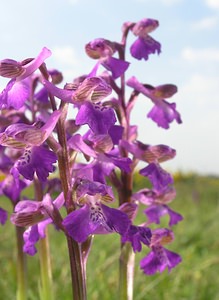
{"x":65,"y":55}
{"x":212,"y":3}
{"x":203,"y":55}
{"x":206,"y":23}
{"x":202,"y":90}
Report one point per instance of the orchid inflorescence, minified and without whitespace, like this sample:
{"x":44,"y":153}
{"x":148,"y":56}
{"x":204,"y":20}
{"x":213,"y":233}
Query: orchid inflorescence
{"x":89,"y":161}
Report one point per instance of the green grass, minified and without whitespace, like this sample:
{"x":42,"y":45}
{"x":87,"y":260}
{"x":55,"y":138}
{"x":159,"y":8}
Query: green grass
{"x":196,"y":239}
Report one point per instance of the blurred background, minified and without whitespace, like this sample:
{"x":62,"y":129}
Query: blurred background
{"x":188,"y":33}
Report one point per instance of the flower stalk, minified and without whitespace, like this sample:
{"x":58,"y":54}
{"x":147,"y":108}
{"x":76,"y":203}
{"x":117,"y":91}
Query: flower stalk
{"x":126,"y":272}
{"x":46,"y":287}
{"x":21,"y":266}
{"x":46,"y":291}
{"x":78,"y":275}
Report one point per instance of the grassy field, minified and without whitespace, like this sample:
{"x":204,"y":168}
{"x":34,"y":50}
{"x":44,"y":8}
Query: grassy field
{"x":196,"y":239}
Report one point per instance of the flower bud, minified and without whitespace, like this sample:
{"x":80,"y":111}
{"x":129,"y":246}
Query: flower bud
{"x":99,"y":48}
{"x":145,"y":26}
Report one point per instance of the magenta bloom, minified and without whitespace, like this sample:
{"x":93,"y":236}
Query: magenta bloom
{"x":157,"y":202}
{"x":143,"y":47}
{"x":155,"y":212}
{"x":163,"y":113}
{"x":137,"y":235}
{"x":149,"y":153}
{"x":37,"y":215}
{"x":20,"y":135}
{"x":15,"y":94}
{"x":99,"y":118}
{"x":95,"y":218}
{"x":158,"y":176}
{"x":92,"y":216}
{"x":160,"y":258}
{"x":37,"y":160}
{"x":92,"y":89}
{"x":17,"y":90}
{"x":103,"y":50}
{"x":145,"y":44}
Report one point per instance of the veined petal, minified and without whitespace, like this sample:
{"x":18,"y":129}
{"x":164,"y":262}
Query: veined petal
{"x":76,"y":142}
{"x":115,"y":65}
{"x":79,"y":225}
{"x":10,"y":68}
{"x":144,"y":26}
{"x":93,"y":89}
{"x":99,"y":118}
{"x":99,"y":48}
{"x":34,"y":64}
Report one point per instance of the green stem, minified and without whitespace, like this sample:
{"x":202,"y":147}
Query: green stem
{"x":21,"y":266}
{"x":126,"y":272}
{"x":46,"y":292}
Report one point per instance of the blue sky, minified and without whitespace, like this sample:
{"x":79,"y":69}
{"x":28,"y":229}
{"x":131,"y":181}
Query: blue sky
{"x":188,"y":32}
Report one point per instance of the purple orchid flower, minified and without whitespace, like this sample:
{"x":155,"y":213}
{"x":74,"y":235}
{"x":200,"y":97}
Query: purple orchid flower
{"x":159,"y":178}
{"x":103,"y":163}
{"x":149,"y":153}
{"x":93,"y":217}
{"x":92,"y":89}
{"x":163,"y":113}
{"x":137,"y":235}
{"x":157,"y":202}
{"x":143,"y":47}
{"x":15,"y":94}
{"x":31,"y":138}
{"x":37,"y":160}
{"x":20,"y":70}
{"x":17,"y":90}
{"x":32,"y":235}
{"x":155,"y":212}
{"x":160,"y":258}
{"x":150,"y":197}
{"x":37,"y":215}
{"x":19,"y":135}
{"x":103,"y":50}
{"x":98,"y":117}
{"x":145,"y":44}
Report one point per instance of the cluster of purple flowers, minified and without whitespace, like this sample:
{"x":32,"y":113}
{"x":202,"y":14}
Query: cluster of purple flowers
{"x":102,"y":158}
